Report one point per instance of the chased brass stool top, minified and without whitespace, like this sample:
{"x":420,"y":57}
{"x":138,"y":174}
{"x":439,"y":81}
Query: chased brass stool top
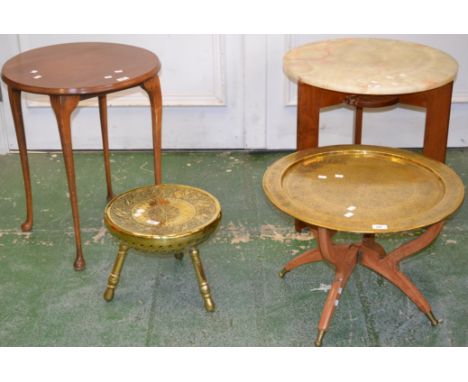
{"x":162,"y":219}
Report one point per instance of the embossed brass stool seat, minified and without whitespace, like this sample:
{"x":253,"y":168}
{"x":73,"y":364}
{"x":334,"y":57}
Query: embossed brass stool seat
{"x":367,"y":190}
{"x":162,"y":219}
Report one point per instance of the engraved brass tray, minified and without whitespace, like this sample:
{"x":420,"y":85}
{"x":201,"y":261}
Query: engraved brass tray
{"x":164,"y":218}
{"x":363,"y":189}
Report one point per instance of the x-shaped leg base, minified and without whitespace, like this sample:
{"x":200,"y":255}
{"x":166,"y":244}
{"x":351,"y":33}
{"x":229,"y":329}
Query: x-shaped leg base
{"x":373,"y":256}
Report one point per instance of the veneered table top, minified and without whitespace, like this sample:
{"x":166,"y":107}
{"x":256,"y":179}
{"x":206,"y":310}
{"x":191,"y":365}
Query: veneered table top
{"x":80,"y":68}
{"x":370,"y":66}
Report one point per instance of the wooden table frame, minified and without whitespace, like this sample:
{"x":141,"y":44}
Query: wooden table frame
{"x":436,"y":101}
{"x":372,"y":255}
{"x":63,"y":106}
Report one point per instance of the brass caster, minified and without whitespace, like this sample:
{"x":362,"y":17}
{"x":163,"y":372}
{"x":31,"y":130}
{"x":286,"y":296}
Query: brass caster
{"x":109,"y":294}
{"x":431,"y":317}
{"x":179,"y":256}
{"x":319,"y":339}
{"x":283,"y":272}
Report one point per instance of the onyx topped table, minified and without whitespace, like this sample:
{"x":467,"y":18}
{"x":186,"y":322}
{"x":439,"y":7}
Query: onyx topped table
{"x":372,"y":73}
{"x":69,"y":73}
{"x":366,"y":190}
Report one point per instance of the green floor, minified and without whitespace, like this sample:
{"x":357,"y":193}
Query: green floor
{"x":44,"y":302}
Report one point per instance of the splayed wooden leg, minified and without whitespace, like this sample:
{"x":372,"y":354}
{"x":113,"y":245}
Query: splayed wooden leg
{"x":307,"y":257}
{"x":388,"y":266}
{"x":344,"y":259}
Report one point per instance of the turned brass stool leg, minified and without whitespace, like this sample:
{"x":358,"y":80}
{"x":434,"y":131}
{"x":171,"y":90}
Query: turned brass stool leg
{"x":202,"y":283}
{"x":179,"y":256}
{"x":115,"y":274}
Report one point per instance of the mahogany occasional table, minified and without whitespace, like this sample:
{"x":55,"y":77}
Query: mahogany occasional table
{"x":367,"y":190}
{"x":69,"y":73}
{"x":369,"y":73}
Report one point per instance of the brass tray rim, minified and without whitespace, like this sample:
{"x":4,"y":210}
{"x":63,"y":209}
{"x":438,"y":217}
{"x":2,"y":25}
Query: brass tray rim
{"x":114,"y":228}
{"x":272,"y":184}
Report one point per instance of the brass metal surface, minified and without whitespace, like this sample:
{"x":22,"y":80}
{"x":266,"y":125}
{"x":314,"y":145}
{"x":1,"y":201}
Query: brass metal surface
{"x":114,"y":276}
{"x":282,"y":273}
{"x":165,"y":218}
{"x":363,"y":189}
{"x":319,"y":339}
{"x":432,"y":318}
{"x":201,"y":278}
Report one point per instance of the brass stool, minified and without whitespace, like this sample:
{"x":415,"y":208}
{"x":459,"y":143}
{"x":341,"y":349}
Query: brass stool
{"x":162,"y":219}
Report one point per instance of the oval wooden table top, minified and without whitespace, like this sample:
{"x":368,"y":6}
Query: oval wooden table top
{"x":80,"y":68}
{"x":363,"y":189}
{"x":370,"y":66}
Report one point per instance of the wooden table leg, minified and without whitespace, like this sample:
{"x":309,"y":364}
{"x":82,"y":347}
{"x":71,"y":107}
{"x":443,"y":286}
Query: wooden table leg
{"x":310,"y":100}
{"x":358,"y":125}
{"x":15,"y":102}
{"x":105,"y":144}
{"x":153,"y":88}
{"x":307,"y":257}
{"x":437,"y":103}
{"x":63,"y":106}
{"x":388,"y":266}
{"x":344,"y":259}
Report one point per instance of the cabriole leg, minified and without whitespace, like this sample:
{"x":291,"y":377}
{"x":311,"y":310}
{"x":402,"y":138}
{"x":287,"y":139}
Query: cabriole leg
{"x":114,"y":276}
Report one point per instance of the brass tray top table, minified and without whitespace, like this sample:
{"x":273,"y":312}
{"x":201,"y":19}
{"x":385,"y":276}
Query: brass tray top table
{"x":163,"y":219}
{"x":367,"y":190}
{"x":69,"y":73}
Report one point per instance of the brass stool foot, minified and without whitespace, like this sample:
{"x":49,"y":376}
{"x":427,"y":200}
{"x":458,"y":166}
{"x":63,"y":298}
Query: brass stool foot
{"x":115,"y":274}
{"x":431,"y":317}
{"x":282,"y":273}
{"x":319,"y":339}
{"x":202,"y":283}
{"x":109,"y":294}
{"x":179,"y":256}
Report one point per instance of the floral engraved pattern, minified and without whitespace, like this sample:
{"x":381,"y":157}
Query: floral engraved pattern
{"x":164,"y":210}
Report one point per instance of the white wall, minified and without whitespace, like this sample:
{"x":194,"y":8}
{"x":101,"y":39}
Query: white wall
{"x":222,"y":92}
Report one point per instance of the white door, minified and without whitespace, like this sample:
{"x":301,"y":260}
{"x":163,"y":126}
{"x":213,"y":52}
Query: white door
{"x":223,"y":92}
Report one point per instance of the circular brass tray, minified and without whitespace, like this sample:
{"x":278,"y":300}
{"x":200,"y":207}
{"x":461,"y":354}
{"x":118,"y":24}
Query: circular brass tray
{"x":363,"y":189}
{"x":163,"y":218}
